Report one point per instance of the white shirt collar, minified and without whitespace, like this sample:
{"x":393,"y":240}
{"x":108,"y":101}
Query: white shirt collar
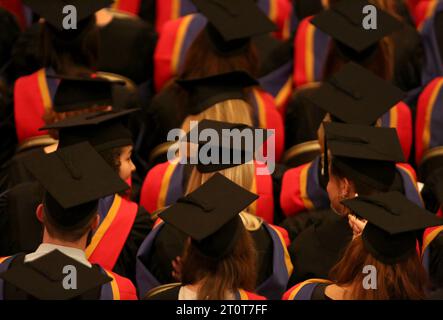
{"x":45,"y":248}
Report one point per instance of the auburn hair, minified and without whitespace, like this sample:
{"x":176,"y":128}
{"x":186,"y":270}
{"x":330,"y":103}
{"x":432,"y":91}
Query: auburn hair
{"x":202,"y":59}
{"x":406,"y":279}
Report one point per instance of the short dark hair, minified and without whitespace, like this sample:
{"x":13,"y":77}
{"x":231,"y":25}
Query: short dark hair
{"x":66,"y":235}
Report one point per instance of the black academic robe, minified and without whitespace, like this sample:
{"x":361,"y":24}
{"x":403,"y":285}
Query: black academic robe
{"x":306,"y":8}
{"x":168,"y":294}
{"x":23,"y":232}
{"x":14,"y":171}
{"x":303,"y":118}
{"x":318,"y":248}
{"x":12,"y":292}
{"x":436,"y":261}
{"x":127,"y":48}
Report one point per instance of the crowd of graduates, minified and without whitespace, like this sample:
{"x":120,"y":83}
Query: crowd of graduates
{"x":87,"y":179}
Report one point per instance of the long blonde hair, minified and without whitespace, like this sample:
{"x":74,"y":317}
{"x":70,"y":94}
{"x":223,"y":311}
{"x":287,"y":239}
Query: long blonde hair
{"x":232,"y":111}
{"x":244,"y":176}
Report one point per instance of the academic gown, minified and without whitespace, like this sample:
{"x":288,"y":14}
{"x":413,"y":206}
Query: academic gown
{"x":167,"y":182}
{"x":165,"y":243}
{"x":172,"y":293}
{"x":312,"y":289}
{"x":23,"y":232}
{"x":8,"y":141}
{"x":439,"y":32}
{"x":14,"y":171}
{"x":126,"y":48}
{"x":42,"y":279}
{"x":319,"y":247}
{"x":306,"y":8}
{"x":436,"y":261}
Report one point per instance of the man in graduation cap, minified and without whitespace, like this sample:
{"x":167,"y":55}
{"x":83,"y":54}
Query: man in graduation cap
{"x":389,"y":240}
{"x":123,"y":225}
{"x":354,"y":96}
{"x":362,"y":161}
{"x":164,"y":243}
{"x":74,"y":178}
{"x":218,"y":238}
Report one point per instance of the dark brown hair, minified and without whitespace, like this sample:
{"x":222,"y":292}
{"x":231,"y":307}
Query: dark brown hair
{"x":75,"y":57}
{"x":235,"y":271}
{"x":404,"y":280}
{"x":379,"y":62}
{"x":202,"y":60}
{"x":360,"y":187}
{"x":69,"y":236}
{"x":112,"y":158}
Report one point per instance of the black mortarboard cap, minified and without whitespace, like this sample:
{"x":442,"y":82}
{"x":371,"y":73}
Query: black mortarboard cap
{"x":52,"y":11}
{"x":74,"y":178}
{"x":235,"y":144}
{"x":43,"y":278}
{"x":206,"y":92}
{"x":344,"y":23}
{"x":367,"y":154}
{"x":76,"y":93}
{"x":208,"y":218}
{"x":393,"y":222}
{"x":103,"y":130}
{"x":355,"y":95}
{"x":231,"y":23}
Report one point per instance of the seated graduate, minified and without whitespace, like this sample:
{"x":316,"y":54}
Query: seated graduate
{"x":219,"y":261}
{"x":388,"y":243}
{"x":164,"y":244}
{"x":223,"y":46}
{"x":221,"y":98}
{"x":65,"y":52}
{"x":123,"y":225}
{"x":351,"y":43}
{"x":71,"y":52}
{"x":74,"y":178}
{"x":351,"y":96}
{"x":362,"y":161}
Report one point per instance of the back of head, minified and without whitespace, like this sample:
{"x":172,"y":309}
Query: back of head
{"x":406,"y":279}
{"x":75,"y":54}
{"x":203,"y":60}
{"x":232,"y":111}
{"x":217,"y":278}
